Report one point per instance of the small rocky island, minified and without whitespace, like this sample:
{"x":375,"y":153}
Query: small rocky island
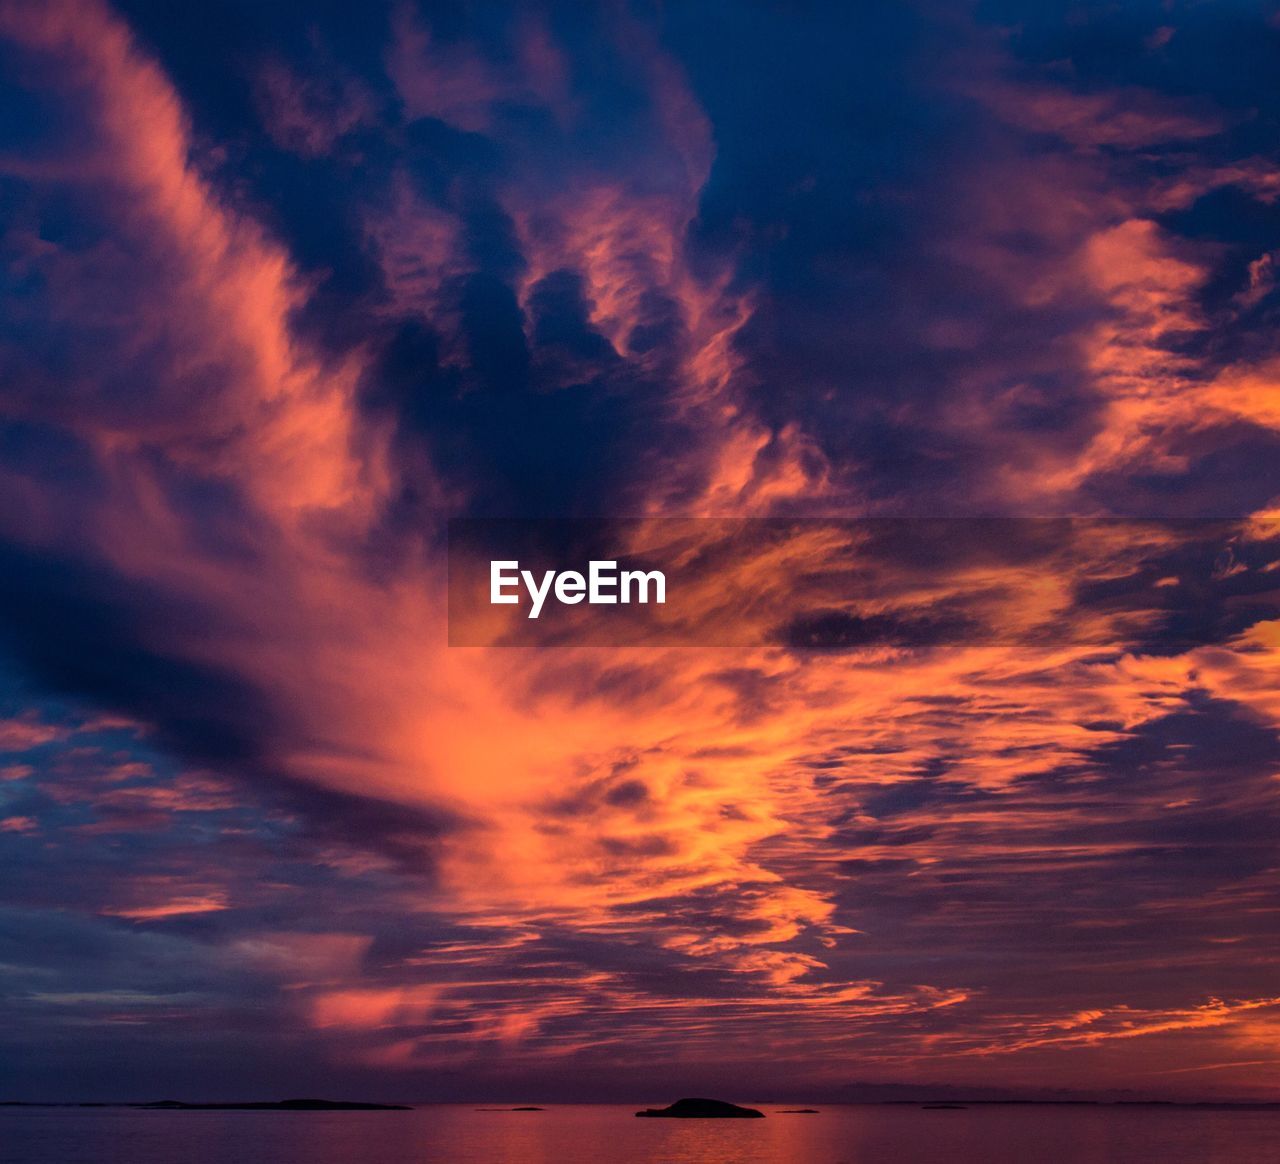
{"x":702,"y":1109}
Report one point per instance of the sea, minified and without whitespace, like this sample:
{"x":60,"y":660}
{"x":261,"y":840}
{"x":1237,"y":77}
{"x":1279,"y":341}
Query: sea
{"x":587,"y":1134}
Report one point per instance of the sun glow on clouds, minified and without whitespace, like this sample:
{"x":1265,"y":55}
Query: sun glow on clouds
{"x":607,"y":856}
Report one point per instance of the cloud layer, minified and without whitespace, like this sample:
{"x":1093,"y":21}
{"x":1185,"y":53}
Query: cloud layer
{"x":283,"y":296}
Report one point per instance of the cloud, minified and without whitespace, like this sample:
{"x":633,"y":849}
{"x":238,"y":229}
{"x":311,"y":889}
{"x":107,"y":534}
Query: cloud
{"x":258,"y":349}
{"x":1123,"y":118}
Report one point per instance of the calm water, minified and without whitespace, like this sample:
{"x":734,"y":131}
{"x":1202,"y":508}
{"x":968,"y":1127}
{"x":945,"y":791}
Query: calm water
{"x":575,"y":1135}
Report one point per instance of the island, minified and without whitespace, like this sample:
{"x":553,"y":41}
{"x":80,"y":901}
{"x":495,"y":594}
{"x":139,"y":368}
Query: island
{"x":702,"y":1109}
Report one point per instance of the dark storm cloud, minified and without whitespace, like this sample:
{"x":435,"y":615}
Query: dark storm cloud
{"x":77,"y":630}
{"x":541,"y":424}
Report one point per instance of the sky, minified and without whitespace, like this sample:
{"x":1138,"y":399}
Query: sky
{"x":286,"y":289}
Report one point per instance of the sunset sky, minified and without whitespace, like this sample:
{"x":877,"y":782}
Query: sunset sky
{"x":286,"y":288}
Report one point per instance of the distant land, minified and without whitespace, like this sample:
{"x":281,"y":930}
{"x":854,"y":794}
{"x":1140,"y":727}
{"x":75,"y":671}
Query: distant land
{"x":274,"y":1105}
{"x":682,"y":1109}
{"x":256,"y":1105}
{"x":868,"y":1092}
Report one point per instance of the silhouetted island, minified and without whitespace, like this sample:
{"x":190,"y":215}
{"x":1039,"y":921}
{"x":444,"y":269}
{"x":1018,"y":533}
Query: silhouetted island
{"x":274,"y":1105}
{"x":703,"y":1109}
{"x":798,"y":1111}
